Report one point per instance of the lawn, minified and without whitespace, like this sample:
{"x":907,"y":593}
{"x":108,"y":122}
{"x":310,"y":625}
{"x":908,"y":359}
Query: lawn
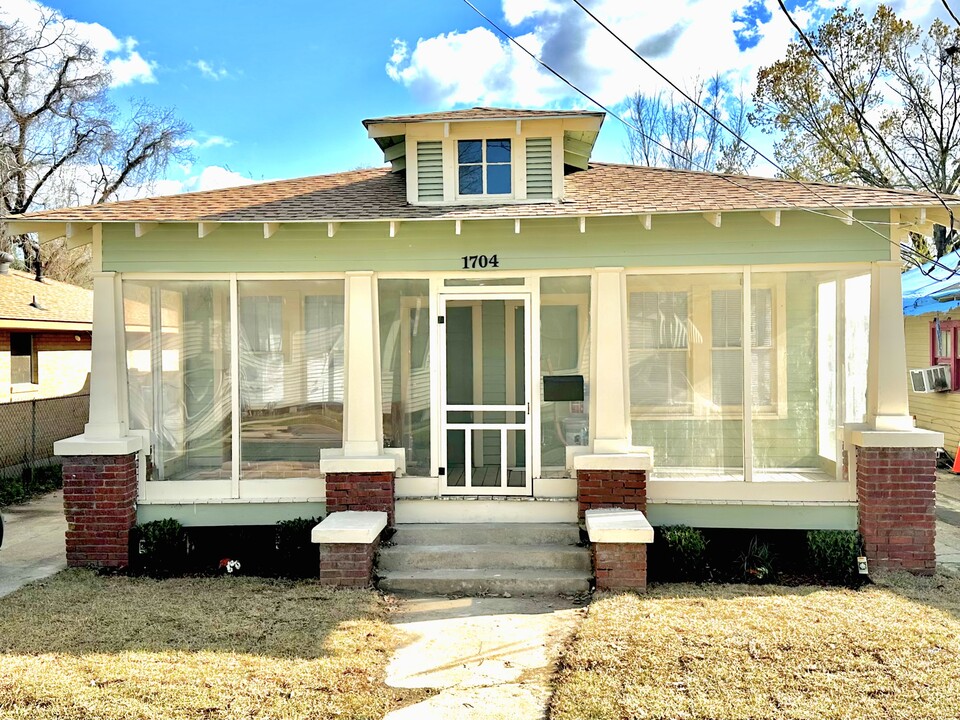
{"x":737,"y":651}
{"x":83,"y":646}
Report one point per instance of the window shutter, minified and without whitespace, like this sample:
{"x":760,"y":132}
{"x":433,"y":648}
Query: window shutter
{"x":430,"y":170}
{"x":539,"y":168}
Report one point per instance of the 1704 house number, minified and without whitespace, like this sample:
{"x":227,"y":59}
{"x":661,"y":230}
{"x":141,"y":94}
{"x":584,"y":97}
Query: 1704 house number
{"x":472,"y":262}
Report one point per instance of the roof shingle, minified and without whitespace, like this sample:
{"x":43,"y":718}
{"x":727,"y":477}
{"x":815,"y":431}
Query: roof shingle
{"x":59,"y":301}
{"x":482,"y":113}
{"x":378,"y":194}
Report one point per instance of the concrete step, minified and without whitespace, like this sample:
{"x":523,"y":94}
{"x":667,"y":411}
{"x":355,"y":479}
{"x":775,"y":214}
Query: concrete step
{"x":516,"y":581}
{"x":476,"y":509}
{"x":509,"y":534}
{"x":535,"y":557}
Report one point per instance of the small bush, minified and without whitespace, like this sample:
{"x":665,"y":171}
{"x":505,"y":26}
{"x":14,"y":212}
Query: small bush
{"x":682,"y":552}
{"x":297,"y":556}
{"x":162,"y":547}
{"x":756,"y":564}
{"x":833,"y":554}
{"x":19,"y":486}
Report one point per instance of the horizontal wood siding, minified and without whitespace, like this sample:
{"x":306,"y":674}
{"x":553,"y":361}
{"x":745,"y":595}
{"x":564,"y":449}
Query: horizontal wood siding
{"x":674,"y":240}
{"x":933,"y":411}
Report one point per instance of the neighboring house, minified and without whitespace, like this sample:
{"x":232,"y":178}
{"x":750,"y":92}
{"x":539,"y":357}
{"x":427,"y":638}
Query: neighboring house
{"x":931,"y":316}
{"x":44,"y":337}
{"x":494,"y":317}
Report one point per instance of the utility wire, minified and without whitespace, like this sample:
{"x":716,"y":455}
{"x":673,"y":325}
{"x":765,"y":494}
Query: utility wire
{"x":630,"y":125}
{"x":949,"y":10}
{"x":739,"y":137}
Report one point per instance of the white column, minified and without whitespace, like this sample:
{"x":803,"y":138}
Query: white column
{"x":362,"y":412}
{"x":107,"y":432}
{"x":610,"y":389}
{"x":887,"y":404}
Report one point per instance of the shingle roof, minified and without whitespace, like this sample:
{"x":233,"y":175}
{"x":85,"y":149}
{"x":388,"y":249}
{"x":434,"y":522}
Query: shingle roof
{"x":60,"y":302}
{"x":378,"y":194}
{"x":481,"y":113}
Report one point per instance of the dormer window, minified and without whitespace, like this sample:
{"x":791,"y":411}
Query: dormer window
{"x":483,"y":167}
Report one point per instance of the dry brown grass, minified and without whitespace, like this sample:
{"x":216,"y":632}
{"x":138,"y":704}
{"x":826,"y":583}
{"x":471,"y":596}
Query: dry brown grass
{"x":83,"y":646}
{"x":684,"y":651}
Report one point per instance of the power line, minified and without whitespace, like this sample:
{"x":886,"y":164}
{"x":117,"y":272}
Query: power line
{"x":726,"y":178}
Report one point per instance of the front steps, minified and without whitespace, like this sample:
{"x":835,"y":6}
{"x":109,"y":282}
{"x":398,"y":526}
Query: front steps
{"x":485,"y":558}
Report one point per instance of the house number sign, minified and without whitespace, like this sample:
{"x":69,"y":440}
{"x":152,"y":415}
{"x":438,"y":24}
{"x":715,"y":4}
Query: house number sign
{"x":473,"y":262}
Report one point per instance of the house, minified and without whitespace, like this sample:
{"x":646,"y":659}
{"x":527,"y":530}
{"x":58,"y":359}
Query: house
{"x":931,"y":298}
{"x":45,"y":331}
{"x":494,"y":329}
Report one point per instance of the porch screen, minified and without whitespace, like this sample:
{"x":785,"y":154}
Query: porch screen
{"x":686,"y":373}
{"x":179,"y":379}
{"x":405,"y":369}
{"x":291,"y":375}
{"x":564,"y":351}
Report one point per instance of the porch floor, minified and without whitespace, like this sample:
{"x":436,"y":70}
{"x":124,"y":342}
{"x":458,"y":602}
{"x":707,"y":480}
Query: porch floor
{"x":486,"y":476}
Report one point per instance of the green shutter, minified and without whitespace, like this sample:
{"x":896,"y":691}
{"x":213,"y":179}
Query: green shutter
{"x":539,"y":168}
{"x":429,"y":170}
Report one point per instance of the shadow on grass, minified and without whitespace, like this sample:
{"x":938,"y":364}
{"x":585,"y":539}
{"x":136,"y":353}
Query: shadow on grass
{"x":78,"y":612}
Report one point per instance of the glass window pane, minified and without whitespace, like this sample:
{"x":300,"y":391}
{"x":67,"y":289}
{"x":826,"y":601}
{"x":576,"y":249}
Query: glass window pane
{"x":681,"y":363}
{"x":856,"y":345}
{"x":405,"y":369}
{"x":469,"y":151}
{"x":498,"y":179}
{"x":564,"y":351}
{"x":498,"y":151}
{"x":471,"y":179}
{"x":827,"y":368}
{"x":21,"y":359}
{"x":291,"y":376}
{"x":178,"y":372}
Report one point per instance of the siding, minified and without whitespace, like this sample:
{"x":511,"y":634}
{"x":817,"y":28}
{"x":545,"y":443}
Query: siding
{"x":674,"y":240}
{"x":933,"y":411}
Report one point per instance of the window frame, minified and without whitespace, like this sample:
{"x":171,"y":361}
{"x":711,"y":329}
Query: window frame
{"x":33,"y":383}
{"x":484,"y":166}
{"x":700,"y":355}
{"x":951,"y":360}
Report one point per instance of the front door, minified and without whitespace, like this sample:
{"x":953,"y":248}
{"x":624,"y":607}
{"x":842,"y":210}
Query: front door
{"x":485,"y":394}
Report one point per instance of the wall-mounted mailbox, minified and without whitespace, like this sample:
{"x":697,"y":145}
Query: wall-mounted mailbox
{"x":563,"y":387}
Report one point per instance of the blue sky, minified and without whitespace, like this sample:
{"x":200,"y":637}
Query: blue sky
{"x":279,"y":90}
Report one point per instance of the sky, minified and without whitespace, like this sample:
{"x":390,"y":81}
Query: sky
{"x":280,"y":90}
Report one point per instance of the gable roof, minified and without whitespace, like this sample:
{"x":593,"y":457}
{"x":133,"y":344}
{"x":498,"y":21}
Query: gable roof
{"x":60,"y":303}
{"x":483,"y":113}
{"x":602,"y":190}
{"x":930,"y":289}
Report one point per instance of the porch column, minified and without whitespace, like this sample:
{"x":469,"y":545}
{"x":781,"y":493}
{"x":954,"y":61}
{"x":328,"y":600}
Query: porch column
{"x":891,"y":464}
{"x":887,"y":404}
{"x":100,"y":467}
{"x":610,"y":389}
{"x":360,"y":477}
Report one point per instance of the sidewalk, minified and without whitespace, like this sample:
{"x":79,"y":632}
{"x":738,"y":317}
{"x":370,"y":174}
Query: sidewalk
{"x":33,"y":542}
{"x":948,"y":522}
{"x":490,"y":657}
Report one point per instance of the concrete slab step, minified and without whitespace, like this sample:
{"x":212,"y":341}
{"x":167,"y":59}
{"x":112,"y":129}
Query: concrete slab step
{"x":516,"y":581}
{"x":426,"y":557}
{"x":487,"y":533}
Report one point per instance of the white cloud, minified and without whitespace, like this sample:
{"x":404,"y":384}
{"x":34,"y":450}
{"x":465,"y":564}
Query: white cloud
{"x":119,"y":56}
{"x":207,"y":142}
{"x":210,"y":72}
{"x":212,"y":177}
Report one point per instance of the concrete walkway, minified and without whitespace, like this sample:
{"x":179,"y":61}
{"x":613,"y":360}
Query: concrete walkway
{"x":490,"y":657}
{"x":33,"y":542}
{"x":948,"y":522}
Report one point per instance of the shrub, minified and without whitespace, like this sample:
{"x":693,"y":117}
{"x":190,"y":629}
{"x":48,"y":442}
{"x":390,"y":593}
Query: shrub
{"x":683,"y":553}
{"x":833,"y":554}
{"x":756,"y":564}
{"x":162,"y":547}
{"x":296,"y":554}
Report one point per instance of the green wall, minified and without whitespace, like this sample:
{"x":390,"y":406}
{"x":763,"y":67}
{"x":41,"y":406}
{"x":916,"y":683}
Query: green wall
{"x":685,"y":240}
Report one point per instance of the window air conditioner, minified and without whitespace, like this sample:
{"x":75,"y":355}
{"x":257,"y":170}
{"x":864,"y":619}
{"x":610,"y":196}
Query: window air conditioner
{"x":931,"y":379}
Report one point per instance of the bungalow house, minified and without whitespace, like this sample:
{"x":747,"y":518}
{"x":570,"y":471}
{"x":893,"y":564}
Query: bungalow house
{"x":931,"y":299}
{"x":493,"y":329}
{"x":44,"y":337}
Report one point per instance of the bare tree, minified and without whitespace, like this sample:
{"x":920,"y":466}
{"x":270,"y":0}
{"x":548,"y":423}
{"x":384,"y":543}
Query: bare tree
{"x":673,"y":132}
{"x":61,"y":140}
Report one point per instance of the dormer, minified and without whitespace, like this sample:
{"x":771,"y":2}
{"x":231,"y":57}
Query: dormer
{"x":486,"y":155}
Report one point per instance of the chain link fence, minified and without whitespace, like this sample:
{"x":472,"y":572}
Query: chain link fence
{"x":28,"y":430}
